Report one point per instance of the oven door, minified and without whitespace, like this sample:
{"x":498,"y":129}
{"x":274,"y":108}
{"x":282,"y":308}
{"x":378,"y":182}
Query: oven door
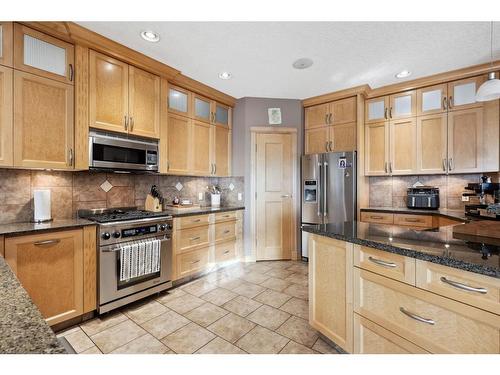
{"x":108,"y":152}
{"x":110,"y":286}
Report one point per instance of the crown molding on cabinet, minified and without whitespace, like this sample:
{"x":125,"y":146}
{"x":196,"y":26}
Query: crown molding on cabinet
{"x":342,"y":94}
{"x":72,"y":32}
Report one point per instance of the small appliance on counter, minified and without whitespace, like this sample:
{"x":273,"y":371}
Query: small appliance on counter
{"x":423,"y":197}
{"x":41,"y":202}
{"x":488,"y":194}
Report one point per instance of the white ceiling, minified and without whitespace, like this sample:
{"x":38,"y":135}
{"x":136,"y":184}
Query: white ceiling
{"x":260,"y":54}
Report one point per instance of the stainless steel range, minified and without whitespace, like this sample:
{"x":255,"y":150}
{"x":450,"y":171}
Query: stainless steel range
{"x":135,"y":254}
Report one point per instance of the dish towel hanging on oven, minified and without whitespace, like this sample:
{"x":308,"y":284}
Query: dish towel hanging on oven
{"x":139,"y":259}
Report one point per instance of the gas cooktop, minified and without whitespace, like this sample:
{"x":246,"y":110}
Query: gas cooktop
{"x":109,"y":215}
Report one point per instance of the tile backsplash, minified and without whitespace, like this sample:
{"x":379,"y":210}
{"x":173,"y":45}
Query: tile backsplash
{"x":391,"y":191}
{"x":71,"y":191}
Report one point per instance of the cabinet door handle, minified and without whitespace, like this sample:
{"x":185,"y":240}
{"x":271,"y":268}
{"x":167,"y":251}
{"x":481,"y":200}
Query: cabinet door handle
{"x":450,"y":102}
{"x":390,"y":112}
{"x":194,"y":238}
{"x":330,"y":118}
{"x":444,"y":164}
{"x":70,"y":157}
{"x":326,"y":146}
{"x":385,"y":113}
{"x":215,"y":168}
{"x":463,"y":286}
{"x":390,"y":167}
{"x":131,"y":124}
{"x":326,"y":118}
{"x":416,"y":317}
{"x":195,"y":261}
{"x":444,"y":103}
{"x":385,"y":167}
{"x":450,"y":164}
{"x":126,"y":122}
{"x":382,"y":263}
{"x":331,"y":145}
{"x":71,"y":72}
{"x":227,"y":231}
{"x":47,"y":242}
{"x":168,"y":165}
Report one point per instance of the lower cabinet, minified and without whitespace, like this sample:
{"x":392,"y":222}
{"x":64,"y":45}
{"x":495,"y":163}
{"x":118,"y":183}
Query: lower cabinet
{"x":330,"y":289}
{"x":203,"y":242}
{"x":57,"y":269}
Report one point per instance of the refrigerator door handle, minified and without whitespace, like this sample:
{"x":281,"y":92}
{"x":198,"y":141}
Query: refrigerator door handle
{"x":319,"y":191}
{"x":325,"y":189}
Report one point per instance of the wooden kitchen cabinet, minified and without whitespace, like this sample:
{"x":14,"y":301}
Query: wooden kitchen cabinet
{"x":317,"y":115}
{"x":330,"y":289}
{"x":50,"y":266}
{"x":343,"y":137}
{"x":376,"y":110}
{"x":221,"y":153}
{"x":179,"y":101}
{"x":144,"y":103}
{"x":403,"y":153}
{"x":431,"y":143}
{"x":462,"y":93}
{"x":6,"y":43}
{"x":465,"y":140}
{"x":316,"y":140}
{"x":6,"y":118}
{"x":179,"y":147}
{"x":123,"y":98}
{"x":202,"y":109}
{"x":377,"y":148}
{"x":402,"y":105}
{"x":222,"y":115}
{"x":201,"y":149}
{"x":432,"y":100}
{"x":333,"y":113}
{"x":108,"y":93}
{"x":43,"y":116}
{"x":43,"y":55}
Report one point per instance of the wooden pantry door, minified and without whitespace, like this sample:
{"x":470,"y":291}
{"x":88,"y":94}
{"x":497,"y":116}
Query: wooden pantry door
{"x":274,"y":206}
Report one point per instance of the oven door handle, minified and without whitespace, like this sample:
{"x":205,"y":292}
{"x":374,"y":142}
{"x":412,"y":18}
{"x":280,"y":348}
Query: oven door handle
{"x":116,"y":248}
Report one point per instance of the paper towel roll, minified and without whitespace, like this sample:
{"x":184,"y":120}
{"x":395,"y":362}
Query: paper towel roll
{"x":42,"y":205}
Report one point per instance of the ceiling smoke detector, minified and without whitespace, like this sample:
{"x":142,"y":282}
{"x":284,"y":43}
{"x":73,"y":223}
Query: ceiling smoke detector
{"x":150,"y":36}
{"x":302,"y":63}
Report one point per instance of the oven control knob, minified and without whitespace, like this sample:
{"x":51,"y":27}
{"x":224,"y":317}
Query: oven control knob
{"x":106,"y":236}
{"x":163,"y":227}
{"x":116,"y":234}
{"x":170,"y":226}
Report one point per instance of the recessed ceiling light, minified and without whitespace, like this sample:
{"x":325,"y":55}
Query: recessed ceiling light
{"x":403,"y":74}
{"x":302,"y":63}
{"x":150,"y":36}
{"x":225,"y":75}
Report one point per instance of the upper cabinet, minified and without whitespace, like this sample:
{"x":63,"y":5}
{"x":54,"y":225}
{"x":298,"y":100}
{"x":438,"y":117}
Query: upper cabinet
{"x":179,"y":101}
{"x":433,"y":99}
{"x":6,"y":41}
{"x":221,"y":115}
{"x":123,"y":98}
{"x":202,"y":109}
{"x":462,"y":93}
{"x":317,"y":115}
{"x":43,"y":55}
{"x":333,"y":113}
{"x":6,"y":112}
{"x":376,"y":109}
{"x":393,"y":107}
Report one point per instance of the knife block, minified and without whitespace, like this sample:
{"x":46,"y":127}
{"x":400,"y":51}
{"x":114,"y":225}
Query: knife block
{"x":152,"y":204}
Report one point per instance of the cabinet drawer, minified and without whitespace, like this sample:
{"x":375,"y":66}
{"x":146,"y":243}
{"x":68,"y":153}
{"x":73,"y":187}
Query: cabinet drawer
{"x":193,"y":221}
{"x":225,"y":231}
{"x":435,"y":323}
{"x":225,"y":216}
{"x":395,"y":266}
{"x":187,"y":239}
{"x":191,"y":262}
{"x":370,"y":338}
{"x":473,"y":289}
{"x":422,"y":221}
{"x":225,"y":251}
{"x":377,"y":217}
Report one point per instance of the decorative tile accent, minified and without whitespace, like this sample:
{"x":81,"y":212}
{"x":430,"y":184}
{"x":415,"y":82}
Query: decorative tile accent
{"x":106,"y":186}
{"x":231,"y":186}
{"x":178,"y":186}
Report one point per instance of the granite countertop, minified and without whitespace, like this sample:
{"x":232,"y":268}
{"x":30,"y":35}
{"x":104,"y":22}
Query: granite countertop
{"x":26,"y":228}
{"x":438,"y":245}
{"x":179,"y":212}
{"x":22,"y":328}
{"x":452,"y":214}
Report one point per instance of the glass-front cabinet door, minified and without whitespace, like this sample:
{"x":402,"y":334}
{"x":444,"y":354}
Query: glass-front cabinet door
{"x":221,"y":115}
{"x":376,"y":109}
{"x":402,"y":105}
{"x":431,"y":100}
{"x":43,"y":55}
{"x":202,"y":109}
{"x":462,"y":93}
{"x":6,"y":43}
{"x":179,"y":101}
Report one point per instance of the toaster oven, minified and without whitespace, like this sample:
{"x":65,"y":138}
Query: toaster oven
{"x":423,"y":197}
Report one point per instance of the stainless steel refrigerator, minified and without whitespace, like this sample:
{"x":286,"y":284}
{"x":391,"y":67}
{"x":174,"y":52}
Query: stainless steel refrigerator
{"x":328,"y":190}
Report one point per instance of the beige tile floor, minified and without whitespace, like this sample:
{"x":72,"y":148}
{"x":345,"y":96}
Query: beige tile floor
{"x":245,"y":308}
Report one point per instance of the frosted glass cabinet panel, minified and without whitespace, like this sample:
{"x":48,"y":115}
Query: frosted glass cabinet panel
{"x":432,"y":100}
{"x":221,"y":115}
{"x":376,"y":109}
{"x":178,"y":101}
{"x":202,"y":108}
{"x":6,"y":43}
{"x":402,"y":105}
{"x":462,"y":94}
{"x":43,"y":55}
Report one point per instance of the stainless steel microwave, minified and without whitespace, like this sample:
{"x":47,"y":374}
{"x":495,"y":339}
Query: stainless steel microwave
{"x":115,"y":152}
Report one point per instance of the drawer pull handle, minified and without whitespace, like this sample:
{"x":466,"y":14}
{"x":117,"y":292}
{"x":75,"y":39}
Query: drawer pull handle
{"x":196,"y":221}
{"x":227,"y":231}
{"x":47,"y":242}
{"x":226,"y":252}
{"x":195,"y":261}
{"x":464,"y":286}
{"x":382,"y":263}
{"x":376,"y":217}
{"x":416,"y":317}
{"x":412,"y":220}
{"x":227,"y":215}
{"x":195,"y":238}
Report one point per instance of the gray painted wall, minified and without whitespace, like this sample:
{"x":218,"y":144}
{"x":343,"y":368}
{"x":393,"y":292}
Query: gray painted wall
{"x":250,"y":112}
